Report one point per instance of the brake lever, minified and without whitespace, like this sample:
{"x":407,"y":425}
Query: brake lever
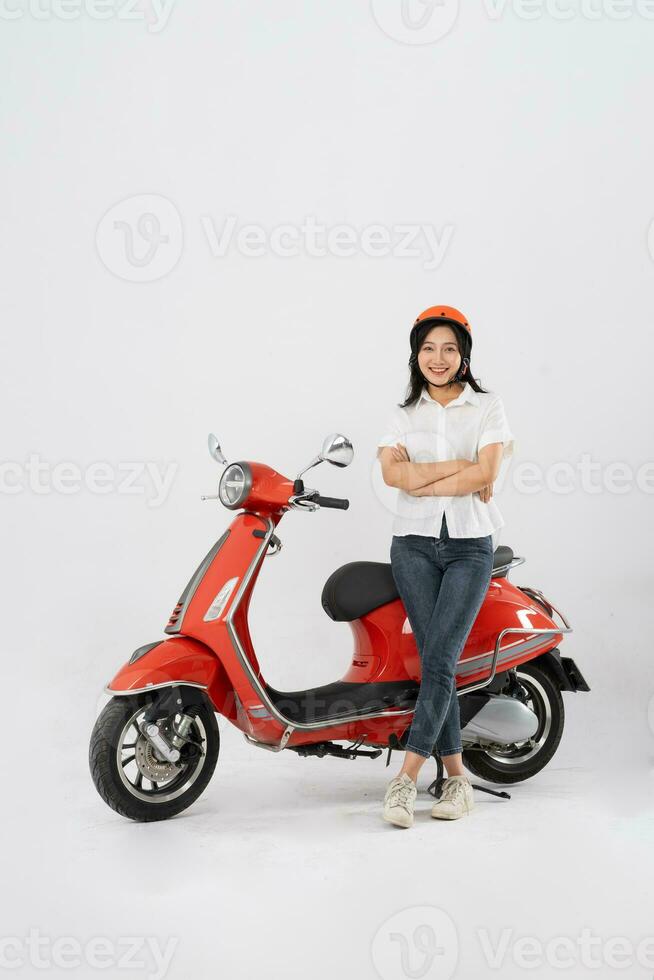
{"x":303,"y":501}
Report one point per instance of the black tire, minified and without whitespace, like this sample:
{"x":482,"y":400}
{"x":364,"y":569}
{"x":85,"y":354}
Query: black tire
{"x":179,"y":791}
{"x":517,"y":764}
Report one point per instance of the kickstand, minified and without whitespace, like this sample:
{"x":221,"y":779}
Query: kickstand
{"x":393,"y":743}
{"x":436,"y":788}
{"x":493,"y":792}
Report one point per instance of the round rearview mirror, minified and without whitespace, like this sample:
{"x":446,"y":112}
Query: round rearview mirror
{"x":214,"y":449}
{"x":337,"y":449}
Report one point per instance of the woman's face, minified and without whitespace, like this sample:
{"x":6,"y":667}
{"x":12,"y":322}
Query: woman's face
{"x":439,"y":357}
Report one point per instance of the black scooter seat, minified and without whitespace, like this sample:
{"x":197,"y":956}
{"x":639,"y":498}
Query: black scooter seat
{"x":361,"y":586}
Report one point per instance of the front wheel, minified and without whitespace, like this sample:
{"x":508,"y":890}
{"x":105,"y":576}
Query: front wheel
{"x":132,"y":778}
{"x":513,"y":763}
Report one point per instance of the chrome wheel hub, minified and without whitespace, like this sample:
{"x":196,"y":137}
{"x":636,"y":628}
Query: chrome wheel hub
{"x":137,"y":761}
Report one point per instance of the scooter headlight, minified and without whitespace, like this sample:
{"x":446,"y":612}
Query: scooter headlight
{"x":235,"y":485}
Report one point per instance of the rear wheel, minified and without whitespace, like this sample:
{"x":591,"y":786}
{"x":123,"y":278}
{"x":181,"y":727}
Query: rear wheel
{"x":132,"y":778}
{"x":513,"y":763}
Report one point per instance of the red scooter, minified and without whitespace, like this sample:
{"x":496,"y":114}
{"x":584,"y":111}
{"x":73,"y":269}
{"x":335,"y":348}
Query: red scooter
{"x":155,"y":745}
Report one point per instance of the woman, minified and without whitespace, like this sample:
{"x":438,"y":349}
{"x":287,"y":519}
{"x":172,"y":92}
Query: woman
{"x":442,"y":450}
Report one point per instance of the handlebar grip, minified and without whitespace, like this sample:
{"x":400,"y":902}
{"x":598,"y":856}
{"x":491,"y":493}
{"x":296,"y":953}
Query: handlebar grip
{"x":336,"y":502}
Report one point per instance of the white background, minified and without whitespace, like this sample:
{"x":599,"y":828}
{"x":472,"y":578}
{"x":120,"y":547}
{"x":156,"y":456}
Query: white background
{"x":530,"y":139}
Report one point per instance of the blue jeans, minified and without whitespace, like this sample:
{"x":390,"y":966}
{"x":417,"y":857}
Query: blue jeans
{"x":442,"y":583}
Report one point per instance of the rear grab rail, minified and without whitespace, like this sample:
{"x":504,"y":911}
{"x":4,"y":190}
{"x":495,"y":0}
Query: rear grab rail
{"x":566,"y":628}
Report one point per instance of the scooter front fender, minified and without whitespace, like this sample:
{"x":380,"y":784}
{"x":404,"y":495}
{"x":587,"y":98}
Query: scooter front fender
{"x":179,"y":660}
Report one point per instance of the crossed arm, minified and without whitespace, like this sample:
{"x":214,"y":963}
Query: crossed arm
{"x":451,"y":478}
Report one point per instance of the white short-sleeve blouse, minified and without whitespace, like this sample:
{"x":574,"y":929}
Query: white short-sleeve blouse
{"x":433,"y":433}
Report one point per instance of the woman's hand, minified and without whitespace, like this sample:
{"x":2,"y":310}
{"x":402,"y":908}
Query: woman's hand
{"x":430,"y":489}
{"x":400,"y":454}
{"x":427,"y":491}
{"x":485,"y":493}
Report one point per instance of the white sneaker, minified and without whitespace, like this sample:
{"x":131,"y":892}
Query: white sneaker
{"x":456,"y":800}
{"x":398,"y":802}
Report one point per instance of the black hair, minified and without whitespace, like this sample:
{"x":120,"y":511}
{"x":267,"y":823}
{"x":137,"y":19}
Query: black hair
{"x":416,"y":380}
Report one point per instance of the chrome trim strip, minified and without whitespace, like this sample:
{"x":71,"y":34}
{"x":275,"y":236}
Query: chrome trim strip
{"x":254,"y":680}
{"x":489,"y":653}
{"x":288,"y":731}
{"x":154,"y":687}
{"x":507,"y":653}
{"x":511,"y":564}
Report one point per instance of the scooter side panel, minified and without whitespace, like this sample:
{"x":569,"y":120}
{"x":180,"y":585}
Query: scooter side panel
{"x":506,"y":607}
{"x":385,"y":647}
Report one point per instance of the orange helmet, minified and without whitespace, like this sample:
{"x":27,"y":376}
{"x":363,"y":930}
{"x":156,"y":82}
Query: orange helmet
{"x":440,"y":315}
{"x":443,"y":314}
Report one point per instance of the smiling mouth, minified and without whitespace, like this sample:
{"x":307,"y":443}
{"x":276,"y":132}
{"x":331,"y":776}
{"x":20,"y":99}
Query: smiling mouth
{"x":436,"y":371}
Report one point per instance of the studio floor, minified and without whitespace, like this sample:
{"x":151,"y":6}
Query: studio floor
{"x":284,"y":868}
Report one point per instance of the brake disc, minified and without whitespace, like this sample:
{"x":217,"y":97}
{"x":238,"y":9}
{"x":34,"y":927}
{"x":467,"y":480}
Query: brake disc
{"x":155,"y":769}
